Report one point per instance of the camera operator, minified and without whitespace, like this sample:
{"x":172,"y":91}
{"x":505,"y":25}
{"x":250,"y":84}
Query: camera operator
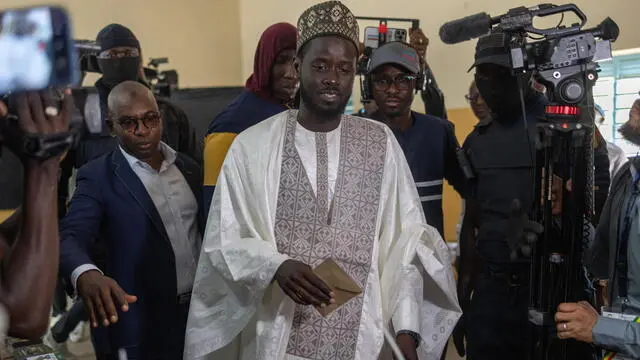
{"x":29,"y":239}
{"x":615,"y":256}
{"x":501,"y":153}
{"x":428,"y":142}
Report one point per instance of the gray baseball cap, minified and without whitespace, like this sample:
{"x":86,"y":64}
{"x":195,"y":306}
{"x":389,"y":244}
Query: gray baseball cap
{"x":397,"y":53}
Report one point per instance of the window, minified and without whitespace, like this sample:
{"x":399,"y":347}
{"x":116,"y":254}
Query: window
{"x":615,"y":91}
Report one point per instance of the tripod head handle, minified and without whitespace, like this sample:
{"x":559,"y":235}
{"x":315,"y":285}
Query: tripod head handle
{"x":522,"y":233}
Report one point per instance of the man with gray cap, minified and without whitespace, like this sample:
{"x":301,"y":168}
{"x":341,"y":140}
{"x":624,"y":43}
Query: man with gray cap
{"x":501,"y":152}
{"x":316,"y":243}
{"x":428,"y":142}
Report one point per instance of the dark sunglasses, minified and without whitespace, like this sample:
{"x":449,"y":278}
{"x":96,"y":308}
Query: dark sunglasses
{"x":402,"y":82}
{"x":150,"y":120}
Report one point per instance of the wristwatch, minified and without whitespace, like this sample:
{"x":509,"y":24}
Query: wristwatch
{"x":414,"y":335}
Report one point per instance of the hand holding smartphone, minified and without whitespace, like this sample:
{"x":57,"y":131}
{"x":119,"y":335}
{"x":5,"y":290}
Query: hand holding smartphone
{"x":372,"y":36}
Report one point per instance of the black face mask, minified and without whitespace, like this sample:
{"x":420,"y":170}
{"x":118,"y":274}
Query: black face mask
{"x":503,"y":95}
{"x":115,"y":71}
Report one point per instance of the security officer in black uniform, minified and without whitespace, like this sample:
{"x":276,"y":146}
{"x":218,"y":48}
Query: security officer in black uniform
{"x":501,"y":151}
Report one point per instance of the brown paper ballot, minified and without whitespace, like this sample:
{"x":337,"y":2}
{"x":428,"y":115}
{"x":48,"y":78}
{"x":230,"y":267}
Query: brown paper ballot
{"x":340,"y":282}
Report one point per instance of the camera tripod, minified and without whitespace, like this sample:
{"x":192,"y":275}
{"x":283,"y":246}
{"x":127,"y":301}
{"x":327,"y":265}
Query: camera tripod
{"x":565,"y":152}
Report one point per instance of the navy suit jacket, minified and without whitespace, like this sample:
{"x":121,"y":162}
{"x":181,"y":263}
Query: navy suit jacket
{"x":113,"y":223}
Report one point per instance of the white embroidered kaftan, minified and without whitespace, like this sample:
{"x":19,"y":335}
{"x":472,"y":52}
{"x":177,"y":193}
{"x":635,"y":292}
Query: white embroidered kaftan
{"x":285,"y":192}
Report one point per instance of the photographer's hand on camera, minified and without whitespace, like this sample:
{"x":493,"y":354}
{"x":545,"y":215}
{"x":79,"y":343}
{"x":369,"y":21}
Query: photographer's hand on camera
{"x":38,"y":130}
{"x":103,"y":297}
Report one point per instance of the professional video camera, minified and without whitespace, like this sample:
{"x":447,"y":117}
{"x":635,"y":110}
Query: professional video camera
{"x":563,"y":59}
{"x":88,"y":51}
{"x":162,"y":82}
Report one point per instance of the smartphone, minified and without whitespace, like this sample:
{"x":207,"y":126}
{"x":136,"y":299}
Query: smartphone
{"x":36,"y":49}
{"x":372,"y":38}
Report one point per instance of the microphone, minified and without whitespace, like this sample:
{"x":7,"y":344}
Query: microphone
{"x":464,"y":29}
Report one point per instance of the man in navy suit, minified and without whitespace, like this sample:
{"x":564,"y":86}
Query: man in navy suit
{"x":132,"y":235}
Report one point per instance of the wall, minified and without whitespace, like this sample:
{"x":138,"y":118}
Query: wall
{"x":450,"y":62}
{"x":4,"y":215}
{"x":200,"y":37}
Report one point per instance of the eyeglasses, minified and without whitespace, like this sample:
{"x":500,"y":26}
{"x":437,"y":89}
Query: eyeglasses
{"x":117,"y":54}
{"x":130,"y":124}
{"x":402,"y":82}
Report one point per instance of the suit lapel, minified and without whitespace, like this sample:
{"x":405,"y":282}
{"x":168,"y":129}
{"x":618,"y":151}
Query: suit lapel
{"x":132,"y":183}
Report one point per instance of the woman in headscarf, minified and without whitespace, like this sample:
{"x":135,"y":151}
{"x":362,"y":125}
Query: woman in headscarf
{"x":270,"y":90}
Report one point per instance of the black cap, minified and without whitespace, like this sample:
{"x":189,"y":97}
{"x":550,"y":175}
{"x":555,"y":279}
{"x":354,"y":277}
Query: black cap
{"x":493,"y":49}
{"x":397,"y":53}
{"x":116,"y":35}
